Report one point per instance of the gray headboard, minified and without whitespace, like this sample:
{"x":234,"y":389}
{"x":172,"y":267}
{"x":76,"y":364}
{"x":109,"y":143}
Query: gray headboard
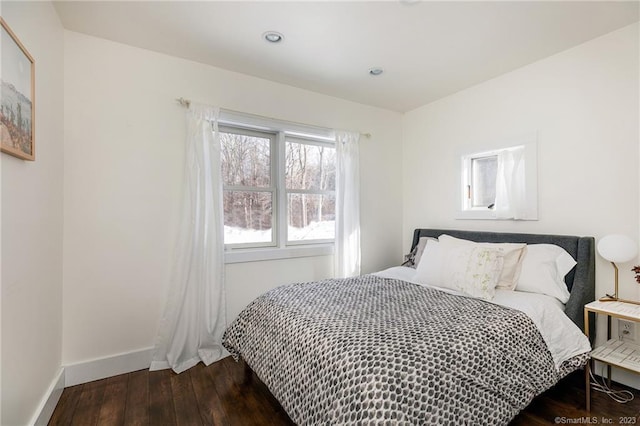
{"x":580,"y":280}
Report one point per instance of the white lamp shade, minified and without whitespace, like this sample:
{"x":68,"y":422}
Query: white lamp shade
{"x":617,"y":248}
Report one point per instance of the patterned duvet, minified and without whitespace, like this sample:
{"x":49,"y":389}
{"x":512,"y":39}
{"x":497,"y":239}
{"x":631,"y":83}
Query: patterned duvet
{"x":373,"y":350}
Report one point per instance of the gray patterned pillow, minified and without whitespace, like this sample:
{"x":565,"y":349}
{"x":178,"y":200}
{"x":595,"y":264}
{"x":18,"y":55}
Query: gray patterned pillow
{"x":412,"y":259}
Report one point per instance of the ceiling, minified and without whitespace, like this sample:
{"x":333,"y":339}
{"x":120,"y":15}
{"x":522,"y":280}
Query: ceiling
{"x":428,"y":50}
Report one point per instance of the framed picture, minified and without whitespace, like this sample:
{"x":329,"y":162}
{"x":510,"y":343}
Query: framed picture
{"x":17,"y":97}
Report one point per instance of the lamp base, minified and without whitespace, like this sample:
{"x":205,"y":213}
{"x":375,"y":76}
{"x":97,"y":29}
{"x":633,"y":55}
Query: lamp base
{"x":615,"y":299}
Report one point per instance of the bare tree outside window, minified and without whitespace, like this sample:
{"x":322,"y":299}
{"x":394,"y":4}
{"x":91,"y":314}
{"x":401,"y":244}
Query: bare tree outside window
{"x":310,"y":176}
{"x":248,"y":195}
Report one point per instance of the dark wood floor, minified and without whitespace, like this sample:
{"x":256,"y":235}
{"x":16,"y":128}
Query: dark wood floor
{"x":220,"y":395}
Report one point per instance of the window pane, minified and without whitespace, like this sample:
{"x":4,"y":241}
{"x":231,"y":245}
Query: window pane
{"x":310,"y":166}
{"x":248,"y":217}
{"x":311,"y":217}
{"x":483,"y":181}
{"x":246,"y":160}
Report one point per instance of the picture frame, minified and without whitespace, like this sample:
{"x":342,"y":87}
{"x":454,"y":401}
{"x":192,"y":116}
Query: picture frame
{"x":17,"y":96}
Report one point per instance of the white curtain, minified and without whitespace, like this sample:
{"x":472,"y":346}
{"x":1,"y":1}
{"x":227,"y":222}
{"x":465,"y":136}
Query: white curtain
{"x":191,"y":328}
{"x":347,"y":242}
{"x":511,"y":201}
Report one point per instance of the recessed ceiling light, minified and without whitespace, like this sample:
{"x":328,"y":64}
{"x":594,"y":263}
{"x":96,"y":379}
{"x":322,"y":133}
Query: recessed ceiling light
{"x":375,"y":71}
{"x":273,"y":36}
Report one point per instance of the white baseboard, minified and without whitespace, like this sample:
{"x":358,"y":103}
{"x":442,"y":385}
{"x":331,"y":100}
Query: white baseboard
{"x":88,"y":371}
{"x":49,"y":401}
{"x":96,"y":369}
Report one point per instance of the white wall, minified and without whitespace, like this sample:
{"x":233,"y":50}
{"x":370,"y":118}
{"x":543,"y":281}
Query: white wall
{"x":124,"y":136}
{"x":31,"y":262}
{"x":584,"y":105}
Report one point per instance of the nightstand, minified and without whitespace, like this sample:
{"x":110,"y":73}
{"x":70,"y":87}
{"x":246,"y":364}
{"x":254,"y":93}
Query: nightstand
{"x":615,"y":352}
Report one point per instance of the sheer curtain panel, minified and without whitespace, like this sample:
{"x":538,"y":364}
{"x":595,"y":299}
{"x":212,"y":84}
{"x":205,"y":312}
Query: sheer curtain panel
{"x":194,"y":320}
{"x":511,"y":201}
{"x":347,"y":242}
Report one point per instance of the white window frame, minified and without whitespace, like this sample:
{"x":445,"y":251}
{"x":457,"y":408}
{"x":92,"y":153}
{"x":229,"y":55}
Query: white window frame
{"x":287,"y":191}
{"x":466,"y":211}
{"x":280,"y":248}
{"x":272,"y":188}
{"x":467,"y":171}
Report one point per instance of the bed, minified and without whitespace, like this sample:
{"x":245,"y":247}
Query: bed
{"x":385,"y":348}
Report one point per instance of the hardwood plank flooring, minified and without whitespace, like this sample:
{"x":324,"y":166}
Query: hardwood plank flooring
{"x":221,"y":395}
{"x":161,"y":407}
{"x":136,"y":411}
{"x":87,"y":410}
{"x":114,"y":401}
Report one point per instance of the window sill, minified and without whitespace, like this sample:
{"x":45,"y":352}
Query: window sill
{"x":486,"y":215}
{"x":476,"y":214}
{"x":272,"y":253}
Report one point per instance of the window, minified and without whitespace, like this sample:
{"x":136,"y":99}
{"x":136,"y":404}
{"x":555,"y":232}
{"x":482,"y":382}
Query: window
{"x":278,"y":190}
{"x":248,"y":187}
{"x":310,"y":177}
{"x":481,"y":189}
{"x":500,"y":184}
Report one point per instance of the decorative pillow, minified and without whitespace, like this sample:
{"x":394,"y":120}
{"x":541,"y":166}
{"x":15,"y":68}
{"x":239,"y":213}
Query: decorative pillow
{"x":413,"y":259}
{"x":470,"y":269}
{"x":543,"y":271}
{"x":513,"y":254}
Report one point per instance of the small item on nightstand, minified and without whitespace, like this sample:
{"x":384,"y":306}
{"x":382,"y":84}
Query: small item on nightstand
{"x":636,"y":269}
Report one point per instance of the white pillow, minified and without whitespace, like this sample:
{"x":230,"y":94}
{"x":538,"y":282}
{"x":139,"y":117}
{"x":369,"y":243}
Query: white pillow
{"x":513,"y":254}
{"x":422,"y":243}
{"x":543,"y":271}
{"x":471,"y":269}
{"x":429,"y":270}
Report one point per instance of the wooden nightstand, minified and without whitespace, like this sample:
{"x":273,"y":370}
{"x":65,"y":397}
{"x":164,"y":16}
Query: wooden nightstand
{"x":615,"y":352}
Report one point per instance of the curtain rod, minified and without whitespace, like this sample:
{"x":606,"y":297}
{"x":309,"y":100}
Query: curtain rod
{"x":187,"y":103}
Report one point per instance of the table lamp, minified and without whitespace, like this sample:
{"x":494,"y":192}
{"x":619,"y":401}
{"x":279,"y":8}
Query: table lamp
{"x":616,"y":249}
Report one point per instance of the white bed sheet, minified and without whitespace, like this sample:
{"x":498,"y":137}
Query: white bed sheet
{"x":563,"y":338}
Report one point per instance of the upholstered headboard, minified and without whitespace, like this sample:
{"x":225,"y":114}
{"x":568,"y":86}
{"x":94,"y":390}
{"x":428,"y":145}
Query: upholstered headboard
{"x":580,"y":280}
